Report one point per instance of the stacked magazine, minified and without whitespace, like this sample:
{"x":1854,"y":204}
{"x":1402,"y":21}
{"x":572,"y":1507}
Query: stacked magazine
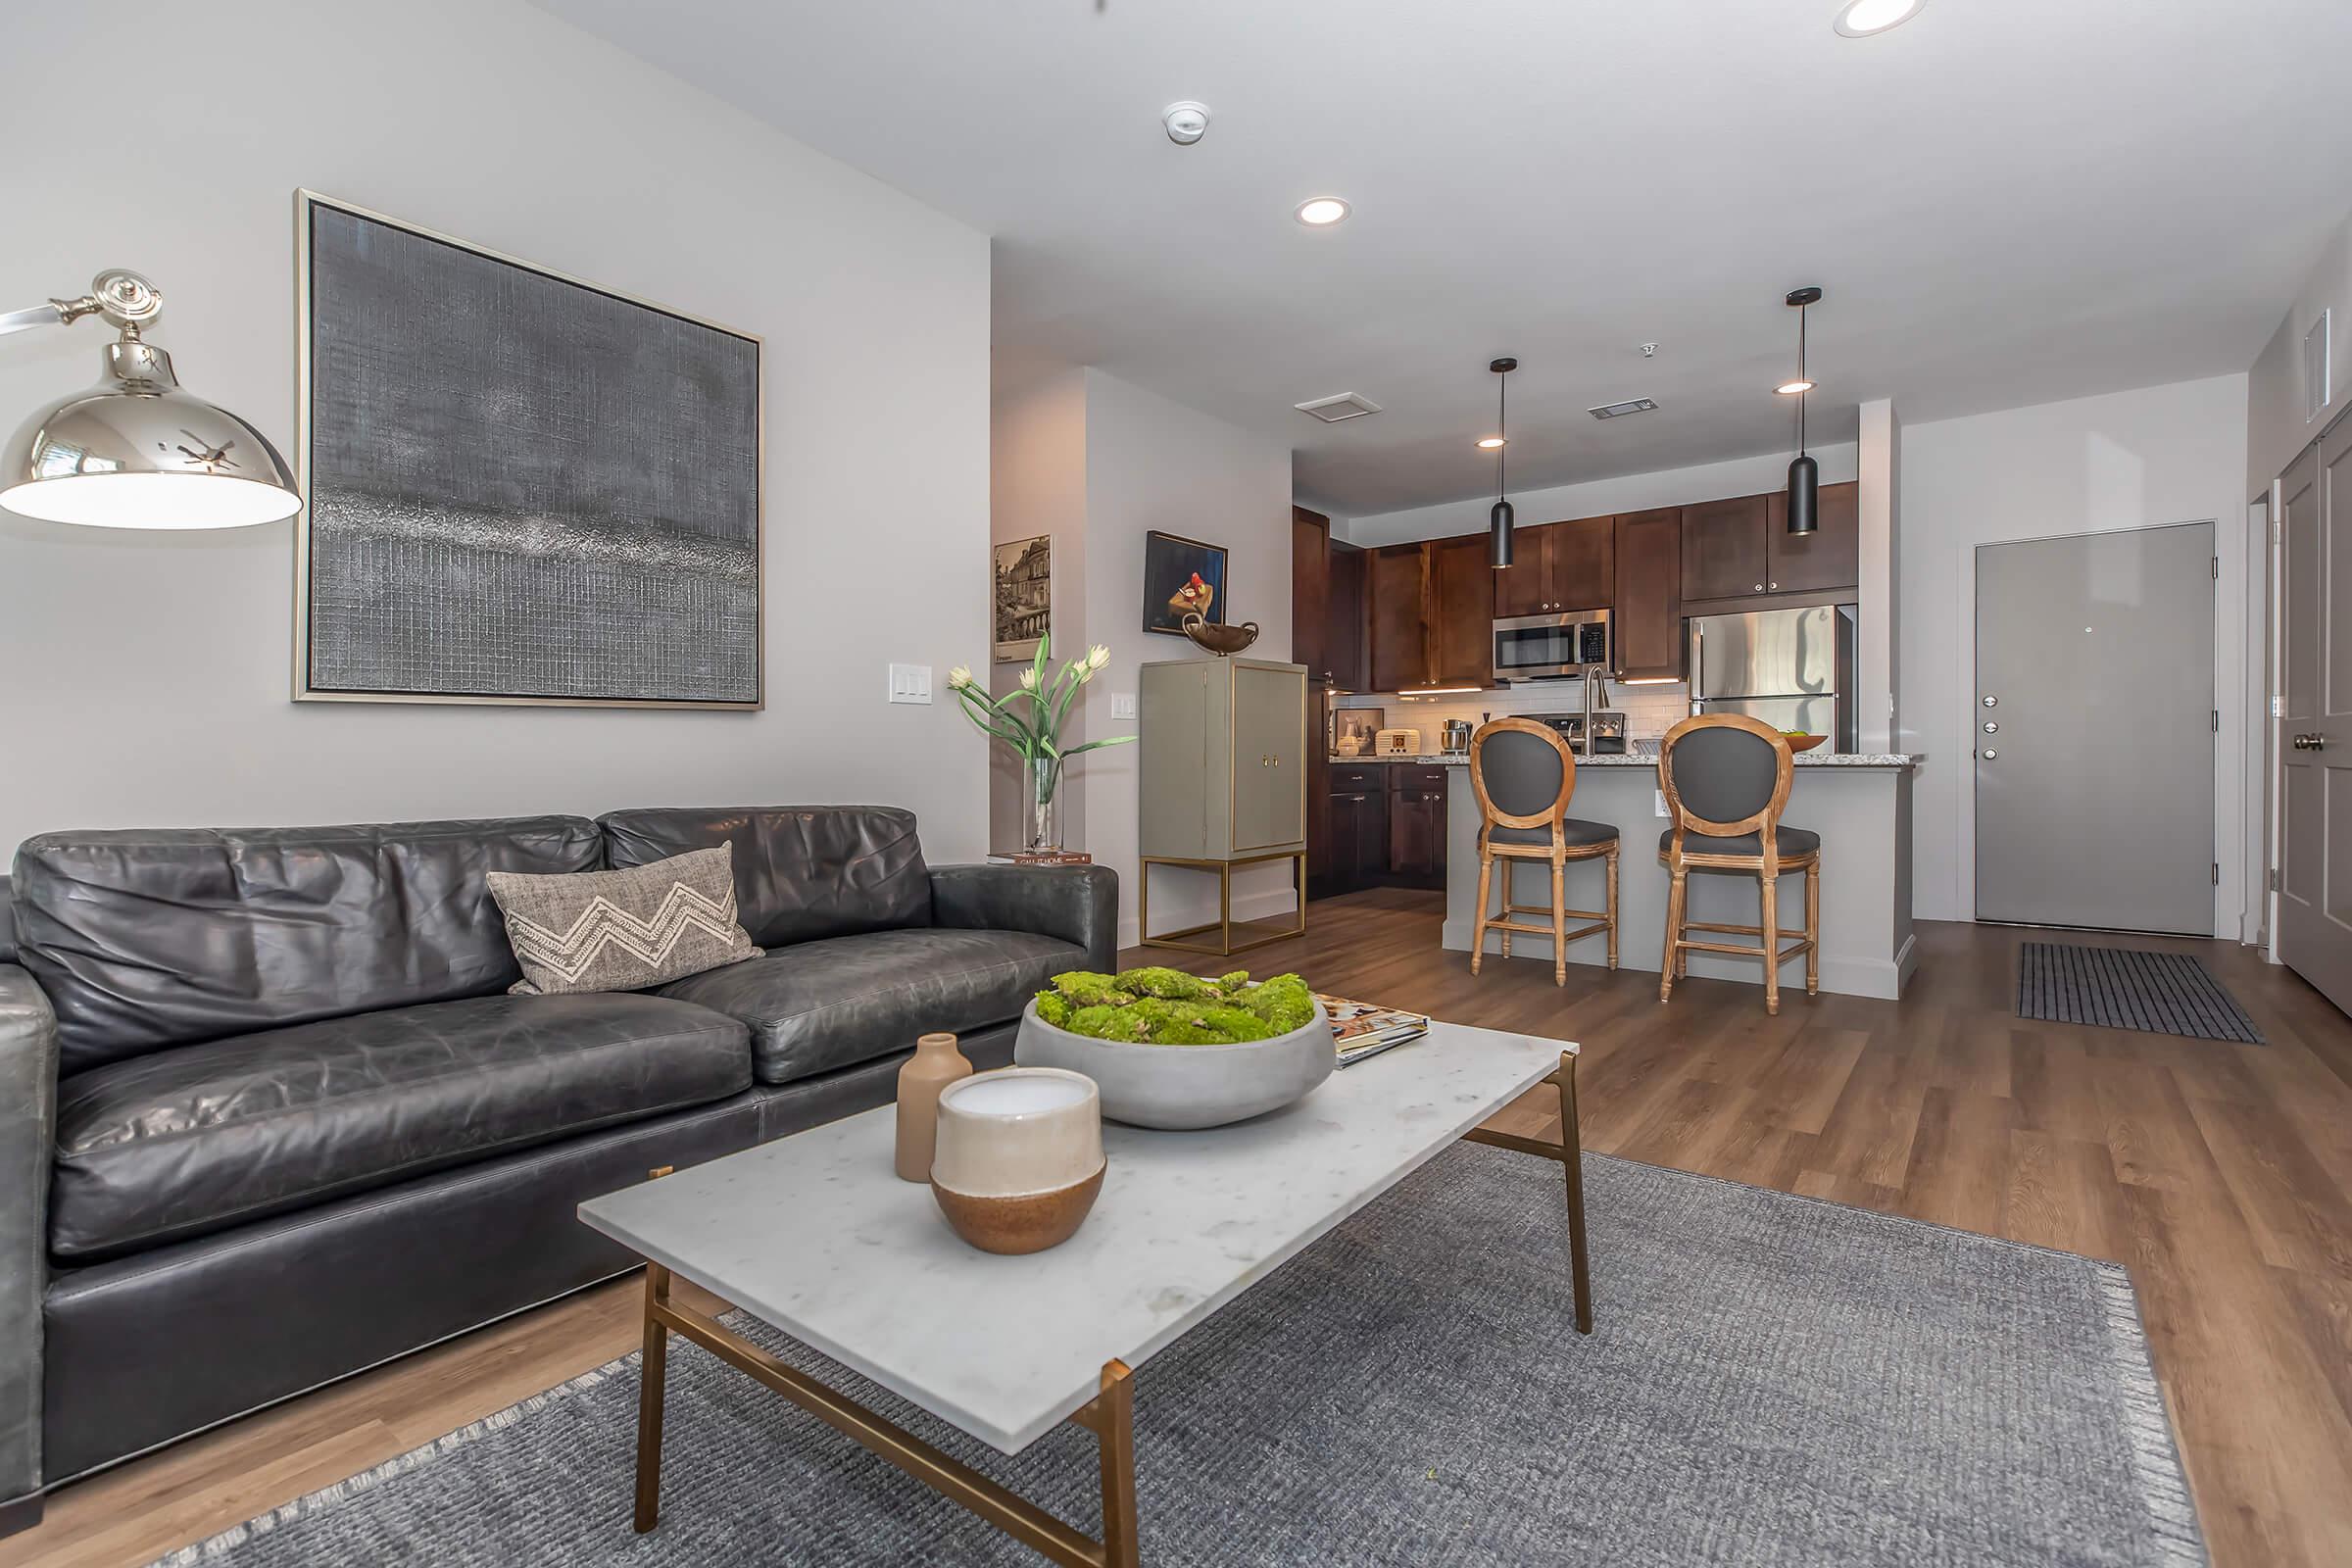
{"x":1363,"y":1030}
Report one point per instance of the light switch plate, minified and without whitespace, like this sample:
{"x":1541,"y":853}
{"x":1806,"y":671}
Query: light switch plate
{"x":1661,"y":794}
{"x":910,"y":683}
{"x":1122,"y":705}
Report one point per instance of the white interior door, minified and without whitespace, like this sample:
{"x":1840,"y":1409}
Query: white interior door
{"x":2315,"y":724}
{"x":2094,"y":730}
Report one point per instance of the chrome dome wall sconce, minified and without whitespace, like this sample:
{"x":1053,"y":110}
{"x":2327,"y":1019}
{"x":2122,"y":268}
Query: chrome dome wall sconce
{"x":137,"y":451}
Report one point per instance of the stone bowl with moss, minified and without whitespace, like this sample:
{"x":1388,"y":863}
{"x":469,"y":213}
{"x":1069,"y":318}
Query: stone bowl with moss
{"x":1173,"y":1050}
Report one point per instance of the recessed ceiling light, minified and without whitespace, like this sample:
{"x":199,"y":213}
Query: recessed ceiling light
{"x":1322,"y":211}
{"x":1490,"y":442}
{"x":1862,"y":18}
{"x":1790,"y":390}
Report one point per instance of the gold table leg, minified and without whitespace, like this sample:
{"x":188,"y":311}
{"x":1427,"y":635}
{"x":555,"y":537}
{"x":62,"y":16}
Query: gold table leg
{"x":1110,"y":1415}
{"x":1570,"y":1153}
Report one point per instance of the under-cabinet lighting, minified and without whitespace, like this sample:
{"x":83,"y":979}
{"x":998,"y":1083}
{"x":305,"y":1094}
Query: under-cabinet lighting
{"x":1649,"y":681}
{"x":1439,"y":691}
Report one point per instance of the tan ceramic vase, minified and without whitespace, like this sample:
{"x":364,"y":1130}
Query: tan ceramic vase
{"x":936,"y":1063}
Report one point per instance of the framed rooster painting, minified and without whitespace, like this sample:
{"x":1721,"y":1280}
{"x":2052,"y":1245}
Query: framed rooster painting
{"x":1182,"y":577}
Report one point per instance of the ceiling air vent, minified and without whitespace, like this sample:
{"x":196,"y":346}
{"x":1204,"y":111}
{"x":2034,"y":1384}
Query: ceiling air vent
{"x":1346,"y":406}
{"x":1618,"y":411}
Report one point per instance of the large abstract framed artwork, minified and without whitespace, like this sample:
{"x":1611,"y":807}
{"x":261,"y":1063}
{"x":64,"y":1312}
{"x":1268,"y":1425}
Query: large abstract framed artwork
{"x":523,"y":488}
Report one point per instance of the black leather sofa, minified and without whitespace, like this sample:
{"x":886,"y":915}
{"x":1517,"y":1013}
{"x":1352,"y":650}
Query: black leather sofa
{"x":267,"y":1115}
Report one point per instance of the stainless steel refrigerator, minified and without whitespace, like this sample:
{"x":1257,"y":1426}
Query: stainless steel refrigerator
{"x":1793,"y":668}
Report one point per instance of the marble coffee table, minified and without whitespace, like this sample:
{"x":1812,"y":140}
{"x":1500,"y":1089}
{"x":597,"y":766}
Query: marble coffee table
{"x":815,"y":1234}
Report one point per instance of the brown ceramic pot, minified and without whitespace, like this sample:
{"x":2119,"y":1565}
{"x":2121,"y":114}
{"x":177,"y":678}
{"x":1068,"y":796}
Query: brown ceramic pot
{"x":935,"y":1064}
{"x":1019,"y":1157}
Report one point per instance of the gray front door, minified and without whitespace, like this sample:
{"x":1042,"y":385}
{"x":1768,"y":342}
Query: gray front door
{"x":2315,"y":722}
{"x":2094,"y":730}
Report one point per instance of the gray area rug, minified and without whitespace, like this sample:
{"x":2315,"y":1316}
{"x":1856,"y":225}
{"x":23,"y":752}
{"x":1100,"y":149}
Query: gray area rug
{"x":2128,"y":988}
{"x":1772,"y":1380}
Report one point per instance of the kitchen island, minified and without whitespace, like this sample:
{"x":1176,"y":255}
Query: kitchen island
{"x":1859,"y":804}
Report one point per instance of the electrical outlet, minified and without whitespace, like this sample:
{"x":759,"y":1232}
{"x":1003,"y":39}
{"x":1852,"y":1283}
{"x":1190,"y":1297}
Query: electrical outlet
{"x":910,"y":683}
{"x":1122,"y":705}
{"x":1661,"y":794}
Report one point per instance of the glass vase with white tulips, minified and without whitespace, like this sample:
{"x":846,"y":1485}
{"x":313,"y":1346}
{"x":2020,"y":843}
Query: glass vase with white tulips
{"x":1030,"y":720}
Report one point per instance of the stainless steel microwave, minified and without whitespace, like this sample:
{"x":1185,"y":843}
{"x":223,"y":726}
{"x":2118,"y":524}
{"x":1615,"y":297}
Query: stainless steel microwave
{"x":1552,"y":647}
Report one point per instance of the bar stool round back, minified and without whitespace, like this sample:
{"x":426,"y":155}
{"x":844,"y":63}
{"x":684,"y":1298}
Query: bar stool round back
{"x":1726,"y":778}
{"x":1524,"y":774}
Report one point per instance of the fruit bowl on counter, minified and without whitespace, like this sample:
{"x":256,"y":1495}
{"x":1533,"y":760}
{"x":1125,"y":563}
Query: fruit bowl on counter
{"x":1175,"y":1051}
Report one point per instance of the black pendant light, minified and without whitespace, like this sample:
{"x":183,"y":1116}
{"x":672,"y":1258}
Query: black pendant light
{"x":1500,"y":520}
{"x":1804,"y":474}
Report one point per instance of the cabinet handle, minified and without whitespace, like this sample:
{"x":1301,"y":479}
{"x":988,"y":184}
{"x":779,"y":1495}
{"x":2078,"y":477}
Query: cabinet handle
{"x":1759,"y":587}
{"x":1775,"y":587}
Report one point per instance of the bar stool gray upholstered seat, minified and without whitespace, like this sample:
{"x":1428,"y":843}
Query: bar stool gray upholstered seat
{"x":1524,"y":774}
{"x":1726,"y":779}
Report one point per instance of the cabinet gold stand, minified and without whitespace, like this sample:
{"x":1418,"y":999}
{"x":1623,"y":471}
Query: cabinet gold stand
{"x":1223,"y":871}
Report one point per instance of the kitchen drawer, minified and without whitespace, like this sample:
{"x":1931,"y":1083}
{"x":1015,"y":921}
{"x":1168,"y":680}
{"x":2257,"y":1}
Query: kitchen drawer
{"x":1416,"y":776}
{"x":1348,"y":778}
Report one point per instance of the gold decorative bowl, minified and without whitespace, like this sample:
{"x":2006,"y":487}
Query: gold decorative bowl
{"x":1803,"y":743}
{"x":1220,"y":640}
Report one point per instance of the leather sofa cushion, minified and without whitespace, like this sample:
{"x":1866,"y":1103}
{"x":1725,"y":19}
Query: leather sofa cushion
{"x":1789,"y":841}
{"x":195,"y":1137}
{"x":816,"y":1006}
{"x":802,"y":872}
{"x":155,"y":938}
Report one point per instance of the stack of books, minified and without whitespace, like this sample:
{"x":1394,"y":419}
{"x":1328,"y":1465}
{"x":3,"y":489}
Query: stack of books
{"x":1040,"y":858}
{"x":1363,"y":1030}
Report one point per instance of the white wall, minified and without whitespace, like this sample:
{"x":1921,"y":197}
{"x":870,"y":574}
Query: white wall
{"x":1037,"y":484}
{"x":147,"y":674}
{"x":2127,"y":460}
{"x":1594,"y":498}
{"x":2277,"y":392}
{"x":1151,"y":463}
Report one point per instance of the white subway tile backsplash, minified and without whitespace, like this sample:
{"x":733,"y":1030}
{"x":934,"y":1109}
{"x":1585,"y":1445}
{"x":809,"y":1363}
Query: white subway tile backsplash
{"x":1650,"y":711}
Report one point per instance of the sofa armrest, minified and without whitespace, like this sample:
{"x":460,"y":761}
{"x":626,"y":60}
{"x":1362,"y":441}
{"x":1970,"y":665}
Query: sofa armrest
{"x":1077,"y":903}
{"x":27,"y":1135}
{"x":8,"y":921}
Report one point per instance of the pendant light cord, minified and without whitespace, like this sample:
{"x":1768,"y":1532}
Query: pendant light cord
{"x":1503,"y":428}
{"x":1802,"y":375}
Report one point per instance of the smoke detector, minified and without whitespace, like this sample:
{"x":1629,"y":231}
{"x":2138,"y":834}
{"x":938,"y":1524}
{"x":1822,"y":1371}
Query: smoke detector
{"x":1346,"y":406}
{"x":1618,"y":411}
{"x":1185,"y":120}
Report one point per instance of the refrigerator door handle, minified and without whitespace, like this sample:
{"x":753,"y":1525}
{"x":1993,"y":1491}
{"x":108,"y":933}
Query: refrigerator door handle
{"x":1698,"y":664}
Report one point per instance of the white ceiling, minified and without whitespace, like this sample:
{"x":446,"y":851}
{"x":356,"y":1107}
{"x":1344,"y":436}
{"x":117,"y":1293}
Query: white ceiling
{"x":2007,"y":201}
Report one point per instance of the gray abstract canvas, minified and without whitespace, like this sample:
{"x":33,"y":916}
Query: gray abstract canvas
{"x":520,"y":487}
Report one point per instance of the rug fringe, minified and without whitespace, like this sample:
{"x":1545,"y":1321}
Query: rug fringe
{"x":2148,"y":1425}
{"x":213,"y":1548}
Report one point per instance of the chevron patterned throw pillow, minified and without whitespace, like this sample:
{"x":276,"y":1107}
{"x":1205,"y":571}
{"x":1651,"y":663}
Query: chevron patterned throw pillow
{"x":622,"y":930}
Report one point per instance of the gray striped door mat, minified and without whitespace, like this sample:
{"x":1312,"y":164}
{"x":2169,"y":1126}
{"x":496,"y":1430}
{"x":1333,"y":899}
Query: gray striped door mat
{"x":2128,"y":988}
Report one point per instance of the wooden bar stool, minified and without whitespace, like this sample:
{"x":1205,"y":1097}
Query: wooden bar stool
{"x":1726,"y":778}
{"x":1524,"y":774}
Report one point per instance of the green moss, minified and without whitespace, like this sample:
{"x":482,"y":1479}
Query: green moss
{"x":1167,"y":1006}
{"x":1164,"y":983}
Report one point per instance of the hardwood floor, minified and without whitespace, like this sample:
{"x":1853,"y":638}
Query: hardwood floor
{"x":2218,"y":1173}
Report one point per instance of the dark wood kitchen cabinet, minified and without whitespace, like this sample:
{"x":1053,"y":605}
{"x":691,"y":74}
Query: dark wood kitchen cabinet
{"x":1318,"y":778}
{"x":1310,"y":590}
{"x":1828,"y":557}
{"x":1461,"y":612}
{"x":1431,"y":614}
{"x":1559,"y":566}
{"x":1724,"y":550}
{"x":1416,"y":825}
{"x":1345,"y":646}
{"x":1357,"y":809}
{"x":1396,"y":584}
{"x":1648,"y":611}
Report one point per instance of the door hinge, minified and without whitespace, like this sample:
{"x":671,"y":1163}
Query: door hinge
{"x":2278,"y":707}
{"x":2274,"y":879}
{"x":2217,"y":873}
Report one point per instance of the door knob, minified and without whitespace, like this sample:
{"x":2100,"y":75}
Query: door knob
{"x":1992,"y":702}
{"x":2311,"y":743}
{"x":1988,"y":754}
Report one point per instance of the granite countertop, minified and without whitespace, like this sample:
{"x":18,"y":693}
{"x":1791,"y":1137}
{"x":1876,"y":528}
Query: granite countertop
{"x":1813,"y":758}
